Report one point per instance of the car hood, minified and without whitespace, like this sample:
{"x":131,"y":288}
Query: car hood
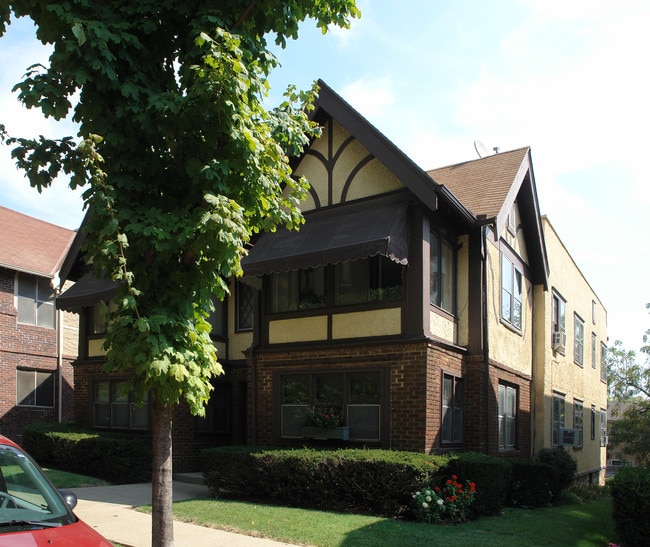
{"x":77,"y":534}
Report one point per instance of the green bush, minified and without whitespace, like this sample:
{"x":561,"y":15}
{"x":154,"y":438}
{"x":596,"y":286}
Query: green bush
{"x":492,"y":478}
{"x":119,"y":459}
{"x":378,"y":482}
{"x":531,"y":483}
{"x":630,"y":489}
{"x":565,"y":465}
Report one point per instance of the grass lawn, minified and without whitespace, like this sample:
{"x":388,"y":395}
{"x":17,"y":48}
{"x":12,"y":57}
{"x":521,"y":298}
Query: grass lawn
{"x":64,"y":479}
{"x":586,"y":524}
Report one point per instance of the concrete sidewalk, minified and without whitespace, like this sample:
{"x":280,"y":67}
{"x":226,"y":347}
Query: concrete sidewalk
{"x":110,"y":511}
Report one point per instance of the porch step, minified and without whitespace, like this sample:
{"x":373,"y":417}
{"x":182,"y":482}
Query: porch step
{"x":190,"y":478}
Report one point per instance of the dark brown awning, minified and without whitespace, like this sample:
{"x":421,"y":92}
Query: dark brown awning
{"x":87,"y":291}
{"x":332,"y":236}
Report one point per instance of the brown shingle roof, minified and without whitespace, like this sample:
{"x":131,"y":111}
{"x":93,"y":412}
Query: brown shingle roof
{"x":31,"y":245}
{"x":482,"y":185}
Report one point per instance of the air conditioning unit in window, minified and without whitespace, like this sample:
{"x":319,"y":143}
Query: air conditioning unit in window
{"x":559,"y":341}
{"x":567,"y":436}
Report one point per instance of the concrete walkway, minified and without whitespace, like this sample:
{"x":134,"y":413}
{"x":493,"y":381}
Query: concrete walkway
{"x":110,"y":511}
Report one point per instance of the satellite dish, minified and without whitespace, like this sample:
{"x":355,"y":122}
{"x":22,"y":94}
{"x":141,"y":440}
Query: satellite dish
{"x":481,"y":149}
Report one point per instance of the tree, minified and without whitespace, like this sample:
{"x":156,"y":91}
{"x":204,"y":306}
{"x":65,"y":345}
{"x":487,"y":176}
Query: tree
{"x":629,"y":382}
{"x":181,"y":164}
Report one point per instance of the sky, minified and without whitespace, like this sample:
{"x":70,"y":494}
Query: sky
{"x":569,"y":79}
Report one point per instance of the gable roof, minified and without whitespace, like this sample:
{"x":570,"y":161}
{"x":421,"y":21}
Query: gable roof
{"x":329,"y":103}
{"x":32,"y":246}
{"x":471,"y":180}
{"x":489,"y":187}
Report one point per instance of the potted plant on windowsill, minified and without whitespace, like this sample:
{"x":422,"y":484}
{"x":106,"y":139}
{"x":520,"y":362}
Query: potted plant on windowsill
{"x":325,"y":423}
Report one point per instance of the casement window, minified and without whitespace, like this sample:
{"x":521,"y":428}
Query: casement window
{"x":375,"y":279}
{"x":245,"y":306}
{"x":358,"y":395}
{"x":603,"y":427}
{"x":453,"y":403}
{"x":298,"y":290}
{"x":558,"y":418}
{"x":113,"y":406}
{"x":578,"y":422}
{"x":578,"y":340}
{"x":34,"y":301}
{"x":507,"y":403}
{"x":34,"y":388}
{"x":603,"y":362}
{"x":593,"y":312}
{"x":594,"y":347}
{"x":442,"y":273}
{"x":593,"y":422}
{"x":511,"y":293}
{"x":558,"y":323}
{"x":218,"y":318}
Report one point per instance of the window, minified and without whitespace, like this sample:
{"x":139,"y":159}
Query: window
{"x":442,"y":274}
{"x":298,"y":290}
{"x":603,"y":362}
{"x":507,"y":416}
{"x":578,"y":339}
{"x":375,"y":279}
{"x":245,"y":306}
{"x":593,"y":312}
{"x":603,"y":427}
{"x":511,"y":293}
{"x":593,"y":422}
{"x":558,"y":323}
{"x":218,"y":318}
{"x":578,"y":422}
{"x":453,"y":394}
{"x":114,"y":407}
{"x":34,"y":388}
{"x":558,"y":417}
{"x":357,"y":394}
{"x":593,"y":350}
{"x":97,"y":317}
{"x":35,"y":301}
{"x":512,"y":220}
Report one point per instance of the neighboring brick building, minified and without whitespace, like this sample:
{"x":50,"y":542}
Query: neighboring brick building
{"x":37,"y":342}
{"x":412,"y":301}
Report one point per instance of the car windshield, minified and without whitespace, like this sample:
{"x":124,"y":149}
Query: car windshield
{"x":27,"y":497}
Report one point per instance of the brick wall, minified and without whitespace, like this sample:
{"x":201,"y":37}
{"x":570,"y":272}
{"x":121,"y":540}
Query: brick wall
{"x":31,"y":348}
{"x":414,"y":370}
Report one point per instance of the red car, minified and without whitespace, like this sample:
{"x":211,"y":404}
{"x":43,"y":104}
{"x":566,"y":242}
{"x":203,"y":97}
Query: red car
{"x":32,"y":511}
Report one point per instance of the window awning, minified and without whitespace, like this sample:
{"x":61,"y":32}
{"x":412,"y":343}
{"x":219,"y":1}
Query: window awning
{"x":333,"y":236}
{"x":87,"y":291}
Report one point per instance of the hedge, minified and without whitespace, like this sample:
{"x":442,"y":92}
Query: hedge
{"x":120,"y":459}
{"x":630,"y":489}
{"x":366,"y":481}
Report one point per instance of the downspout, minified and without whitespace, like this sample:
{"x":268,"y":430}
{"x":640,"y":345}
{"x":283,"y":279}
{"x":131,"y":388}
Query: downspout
{"x":59,"y":348}
{"x":486,"y":344}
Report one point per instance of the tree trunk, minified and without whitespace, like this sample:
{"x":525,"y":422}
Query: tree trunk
{"x":162,"y":523}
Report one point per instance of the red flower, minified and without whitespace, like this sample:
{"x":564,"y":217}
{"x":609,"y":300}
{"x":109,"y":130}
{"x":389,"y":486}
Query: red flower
{"x":448,"y":481}
{"x":437,"y":489}
{"x":454,"y":477}
{"x":453,"y":498}
{"x":472,"y":486}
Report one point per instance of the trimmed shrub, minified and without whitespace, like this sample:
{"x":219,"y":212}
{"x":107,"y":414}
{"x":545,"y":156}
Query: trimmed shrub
{"x":119,"y":459}
{"x":630,"y":490}
{"x":531,"y":483}
{"x":380,"y":482}
{"x":492,"y":478}
{"x":565,"y":465}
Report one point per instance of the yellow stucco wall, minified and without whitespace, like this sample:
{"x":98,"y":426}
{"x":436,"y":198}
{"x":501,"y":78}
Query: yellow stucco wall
{"x":508,"y":346}
{"x":442,"y":327}
{"x":367,"y":323}
{"x":302,"y":329}
{"x":462,"y":291}
{"x":558,"y":373}
{"x":371,"y":179}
